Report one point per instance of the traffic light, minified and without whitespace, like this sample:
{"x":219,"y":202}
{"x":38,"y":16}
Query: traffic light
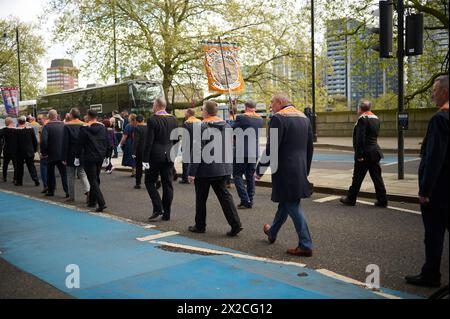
{"x":414,"y":34}
{"x":386,"y":29}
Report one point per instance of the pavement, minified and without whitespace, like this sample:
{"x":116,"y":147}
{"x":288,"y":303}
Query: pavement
{"x":37,"y":240}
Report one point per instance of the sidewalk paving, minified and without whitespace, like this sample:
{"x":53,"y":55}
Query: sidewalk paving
{"x":387,"y":144}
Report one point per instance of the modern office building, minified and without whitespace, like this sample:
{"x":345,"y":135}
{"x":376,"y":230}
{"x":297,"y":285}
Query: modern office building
{"x":62,"y":75}
{"x":351,"y":75}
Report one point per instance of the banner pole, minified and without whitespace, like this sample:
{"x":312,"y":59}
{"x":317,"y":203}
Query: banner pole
{"x":225,"y":70}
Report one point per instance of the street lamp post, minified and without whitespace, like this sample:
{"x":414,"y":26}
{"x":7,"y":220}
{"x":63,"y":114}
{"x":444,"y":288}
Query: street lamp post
{"x":313,"y":75}
{"x":401,"y":85}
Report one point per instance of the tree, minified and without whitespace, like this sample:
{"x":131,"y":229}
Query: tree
{"x":161,"y":38}
{"x":423,"y":70}
{"x":32,"y":50}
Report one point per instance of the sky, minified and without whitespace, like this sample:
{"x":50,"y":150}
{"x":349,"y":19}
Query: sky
{"x":29,"y":11}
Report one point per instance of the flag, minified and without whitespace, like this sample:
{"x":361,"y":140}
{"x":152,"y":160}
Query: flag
{"x":216,"y":64}
{"x":10,"y":98}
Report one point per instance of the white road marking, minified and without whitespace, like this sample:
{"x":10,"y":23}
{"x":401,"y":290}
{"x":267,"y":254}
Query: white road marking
{"x":393,"y":208}
{"x":220,"y":252}
{"x":326,"y":199}
{"x":149,"y":226}
{"x":395,"y":163}
{"x":352,"y":281}
{"x":157,"y":236}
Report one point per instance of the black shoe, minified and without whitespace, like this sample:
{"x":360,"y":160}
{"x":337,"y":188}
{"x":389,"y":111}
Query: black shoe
{"x":234,"y":232}
{"x":155,"y":216}
{"x":194,"y":229}
{"x":44,"y":191}
{"x":18,"y":184}
{"x":165,"y":218}
{"x":91,"y":205}
{"x":422,"y":281}
{"x":67,"y":195}
{"x":36,"y":183}
{"x":381,"y":204}
{"x":137,"y":187}
{"x":184,"y":181}
{"x":347,"y":202}
{"x":244,"y":206}
{"x":49,"y":194}
{"x":101,"y":209}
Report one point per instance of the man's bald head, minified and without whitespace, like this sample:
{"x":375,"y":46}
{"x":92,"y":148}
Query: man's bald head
{"x":279,"y":101}
{"x":440,"y":91}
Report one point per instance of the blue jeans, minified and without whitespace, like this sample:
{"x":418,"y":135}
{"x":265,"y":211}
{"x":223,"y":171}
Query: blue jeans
{"x":295,"y":211}
{"x":43,"y":167}
{"x":245,"y":192}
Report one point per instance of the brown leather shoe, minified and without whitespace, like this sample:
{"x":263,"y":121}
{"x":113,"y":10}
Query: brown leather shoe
{"x":266,"y":231}
{"x":300,"y":252}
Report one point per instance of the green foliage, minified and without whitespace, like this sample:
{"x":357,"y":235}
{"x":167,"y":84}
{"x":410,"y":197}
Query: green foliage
{"x":31,"y":51}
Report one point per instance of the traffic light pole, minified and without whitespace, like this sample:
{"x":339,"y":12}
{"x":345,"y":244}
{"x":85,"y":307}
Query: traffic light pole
{"x":313,"y":75}
{"x":401,"y":87}
{"x":18,"y":63}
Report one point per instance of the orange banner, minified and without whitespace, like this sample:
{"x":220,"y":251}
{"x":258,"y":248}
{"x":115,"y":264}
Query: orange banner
{"x":215,"y":68}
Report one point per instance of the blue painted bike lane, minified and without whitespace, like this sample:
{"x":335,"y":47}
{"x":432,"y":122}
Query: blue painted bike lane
{"x":43,"y":239}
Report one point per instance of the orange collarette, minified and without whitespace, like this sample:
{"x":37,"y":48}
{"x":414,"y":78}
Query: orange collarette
{"x":289,"y":109}
{"x":252,"y":114}
{"x":75,"y":122}
{"x":192,"y":119}
{"x":212,"y":119}
{"x":444,"y":107}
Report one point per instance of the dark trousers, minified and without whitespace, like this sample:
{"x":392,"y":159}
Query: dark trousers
{"x":6,"y":160}
{"x":246,"y":192}
{"x":185,"y":174}
{"x":51,"y":179}
{"x":202,"y":186}
{"x":165,"y":170}
{"x":359,"y":173}
{"x":435,"y":219}
{"x":29,"y":161}
{"x":118,"y":139}
{"x":93,"y":174}
{"x":139,"y":170}
{"x":44,"y":172}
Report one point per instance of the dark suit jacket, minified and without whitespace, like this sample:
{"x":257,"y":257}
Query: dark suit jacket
{"x":52,"y":139}
{"x":223,"y":166}
{"x":140,"y":135}
{"x":158,"y":144}
{"x":247,"y":148}
{"x":26,"y":138}
{"x":365,"y":138}
{"x":94,"y":144}
{"x":71,"y":141}
{"x":295,"y":151}
{"x":188,"y":136}
{"x":10,"y":143}
{"x":434,"y":176}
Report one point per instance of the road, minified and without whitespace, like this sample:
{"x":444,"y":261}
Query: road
{"x":346,"y":240}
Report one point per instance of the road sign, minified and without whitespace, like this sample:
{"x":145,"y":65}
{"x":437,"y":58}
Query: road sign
{"x":403,"y":121}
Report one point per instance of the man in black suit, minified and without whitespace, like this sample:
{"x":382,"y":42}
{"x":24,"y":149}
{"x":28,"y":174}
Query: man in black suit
{"x":294,"y":143}
{"x":51,"y":149}
{"x":92,"y":150}
{"x":9,"y":137}
{"x":434,"y":177}
{"x":157,"y":159}
{"x":367,"y":156}
{"x":28,"y":146}
{"x":246,"y":129}
{"x":188,"y":140}
{"x":213,"y":172}
{"x":140,"y":134}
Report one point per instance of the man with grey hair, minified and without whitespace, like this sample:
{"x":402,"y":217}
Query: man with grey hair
{"x":157,"y":160}
{"x":28,"y":146}
{"x":246,"y":153}
{"x":367,"y":156}
{"x":51,"y":148}
{"x":9,"y":138}
{"x":434,"y":175}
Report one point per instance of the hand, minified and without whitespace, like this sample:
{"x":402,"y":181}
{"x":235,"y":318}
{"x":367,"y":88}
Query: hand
{"x":133,"y":156}
{"x":191,"y":179}
{"x":360,"y":159}
{"x":258,"y":177}
{"x":424,"y":200}
{"x":145,"y":166}
{"x":76,"y":162}
{"x":64,"y":163}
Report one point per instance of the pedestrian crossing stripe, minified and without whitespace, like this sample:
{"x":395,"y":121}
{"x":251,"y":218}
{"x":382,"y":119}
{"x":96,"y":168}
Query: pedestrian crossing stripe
{"x":158,"y":236}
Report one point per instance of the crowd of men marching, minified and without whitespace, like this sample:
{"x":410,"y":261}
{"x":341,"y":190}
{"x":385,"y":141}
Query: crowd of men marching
{"x":79,"y":149}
